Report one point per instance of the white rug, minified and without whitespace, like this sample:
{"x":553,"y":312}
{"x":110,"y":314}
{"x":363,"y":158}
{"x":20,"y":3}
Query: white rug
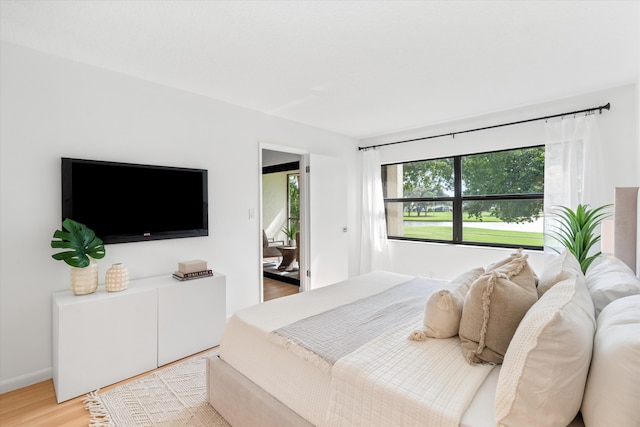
{"x":174,"y":396}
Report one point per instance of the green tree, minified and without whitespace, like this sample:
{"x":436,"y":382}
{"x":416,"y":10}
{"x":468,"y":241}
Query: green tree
{"x":294,"y":199}
{"x":505,"y":172}
{"x":428,"y":178}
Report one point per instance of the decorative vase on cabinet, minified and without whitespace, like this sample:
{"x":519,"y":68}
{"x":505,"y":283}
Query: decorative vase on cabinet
{"x":117,"y":278}
{"x":84,"y":280}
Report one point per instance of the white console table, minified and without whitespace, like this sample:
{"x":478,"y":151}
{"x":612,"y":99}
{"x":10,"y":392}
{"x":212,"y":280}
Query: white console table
{"x":106,"y":337}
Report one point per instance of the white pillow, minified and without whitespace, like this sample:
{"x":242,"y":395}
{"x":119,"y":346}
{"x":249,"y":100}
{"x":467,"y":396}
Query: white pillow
{"x":609,"y":280}
{"x":612,"y":396}
{"x":545,"y":368}
{"x":559,"y":268}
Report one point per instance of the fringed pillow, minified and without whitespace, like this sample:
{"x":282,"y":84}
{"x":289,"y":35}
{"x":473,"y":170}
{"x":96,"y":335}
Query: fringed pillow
{"x":493,"y":308}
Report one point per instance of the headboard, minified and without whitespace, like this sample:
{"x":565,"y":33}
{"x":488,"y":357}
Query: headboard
{"x":627,"y":226}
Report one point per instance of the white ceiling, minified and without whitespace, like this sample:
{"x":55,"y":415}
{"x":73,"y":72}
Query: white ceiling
{"x":359,"y":68}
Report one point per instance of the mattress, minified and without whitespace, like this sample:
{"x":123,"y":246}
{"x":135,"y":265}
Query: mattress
{"x":301,"y":386}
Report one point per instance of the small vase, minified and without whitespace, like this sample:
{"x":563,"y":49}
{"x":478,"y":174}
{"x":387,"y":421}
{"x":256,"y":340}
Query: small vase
{"x":85,"y":280}
{"x":117,"y":278}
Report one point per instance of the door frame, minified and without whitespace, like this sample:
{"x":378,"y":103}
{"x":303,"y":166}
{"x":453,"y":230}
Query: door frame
{"x":304,"y":210}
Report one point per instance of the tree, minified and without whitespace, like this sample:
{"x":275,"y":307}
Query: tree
{"x":505,"y":172}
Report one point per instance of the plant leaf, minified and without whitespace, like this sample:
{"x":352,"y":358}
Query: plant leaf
{"x":81,"y":243}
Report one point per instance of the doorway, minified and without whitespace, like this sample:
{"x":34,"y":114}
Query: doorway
{"x":280,"y":213}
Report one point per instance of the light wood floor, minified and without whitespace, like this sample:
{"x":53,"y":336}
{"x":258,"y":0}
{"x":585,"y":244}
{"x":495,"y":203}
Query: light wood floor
{"x":36,"y":405}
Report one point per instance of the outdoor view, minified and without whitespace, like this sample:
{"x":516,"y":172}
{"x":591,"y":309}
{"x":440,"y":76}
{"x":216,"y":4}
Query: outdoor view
{"x":500,"y":195}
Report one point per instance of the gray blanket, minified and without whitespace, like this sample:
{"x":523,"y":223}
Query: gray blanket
{"x":337,"y":332}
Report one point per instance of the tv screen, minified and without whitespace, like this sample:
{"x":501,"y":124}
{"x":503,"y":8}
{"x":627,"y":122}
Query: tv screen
{"x":125,"y":202}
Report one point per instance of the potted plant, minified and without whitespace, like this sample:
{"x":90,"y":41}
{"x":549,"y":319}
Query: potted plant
{"x":576,"y":231}
{"x":83,"y":249}
{"x":290,"y":232}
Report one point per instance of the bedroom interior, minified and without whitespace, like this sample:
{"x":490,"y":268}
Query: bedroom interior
{"x":215,"y":85}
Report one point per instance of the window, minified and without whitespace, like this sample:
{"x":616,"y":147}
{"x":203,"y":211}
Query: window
{"x":491,"y":199}
{"x":293,"y":201}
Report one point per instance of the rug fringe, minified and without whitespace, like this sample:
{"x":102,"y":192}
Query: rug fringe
{"x":99,"y":415}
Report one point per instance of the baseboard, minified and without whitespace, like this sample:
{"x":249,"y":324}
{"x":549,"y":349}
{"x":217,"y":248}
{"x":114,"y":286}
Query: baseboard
{"x":25,"y":380}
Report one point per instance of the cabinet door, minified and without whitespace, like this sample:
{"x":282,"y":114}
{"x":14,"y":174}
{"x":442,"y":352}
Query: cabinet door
{"x":102,"y":339}
{"x":191,"y":315}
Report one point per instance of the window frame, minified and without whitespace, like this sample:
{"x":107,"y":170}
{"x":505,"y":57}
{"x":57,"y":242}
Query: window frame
{"x":458,"y":199}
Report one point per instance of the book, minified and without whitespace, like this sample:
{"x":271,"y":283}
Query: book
{"x":198,"y":276}
{"x":194,"y":273}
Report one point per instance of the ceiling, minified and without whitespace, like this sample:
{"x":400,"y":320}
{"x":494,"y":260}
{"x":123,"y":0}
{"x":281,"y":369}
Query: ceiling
{"x":358,"y":68}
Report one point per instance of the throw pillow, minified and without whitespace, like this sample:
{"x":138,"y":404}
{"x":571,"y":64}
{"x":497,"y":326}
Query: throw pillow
{"x":491,"y":313}
{"x":609,"y":280}
{"x":516,"y":254}
{"x":443,"y":309}
{"x":613,"y":385}
{"x":558,"y":269}
{"x":519,"y":271}
{"x":545,"y":368}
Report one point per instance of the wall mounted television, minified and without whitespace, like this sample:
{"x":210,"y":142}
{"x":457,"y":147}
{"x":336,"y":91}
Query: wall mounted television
{"x":126,"y":202}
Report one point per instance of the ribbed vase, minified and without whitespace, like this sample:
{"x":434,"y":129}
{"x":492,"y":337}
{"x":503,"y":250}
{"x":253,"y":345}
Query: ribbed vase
{"x":117,"y":278}
{"x":85,"y":280}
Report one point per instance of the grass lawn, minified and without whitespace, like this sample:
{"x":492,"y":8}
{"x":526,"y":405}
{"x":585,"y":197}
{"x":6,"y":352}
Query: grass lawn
{"x":448,"y":216}
{"x":475,"y":234}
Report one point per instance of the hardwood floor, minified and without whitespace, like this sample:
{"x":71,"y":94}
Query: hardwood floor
{"x":275,"y":289}
{"x":36,"y":405}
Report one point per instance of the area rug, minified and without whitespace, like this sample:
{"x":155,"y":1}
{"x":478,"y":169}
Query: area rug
{"x":174,"y":396}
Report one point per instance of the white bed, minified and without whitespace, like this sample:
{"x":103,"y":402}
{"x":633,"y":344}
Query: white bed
{"x":257,"y":381}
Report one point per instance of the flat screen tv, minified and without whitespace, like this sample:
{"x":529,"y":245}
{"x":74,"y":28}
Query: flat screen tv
{"x":125,"y":202}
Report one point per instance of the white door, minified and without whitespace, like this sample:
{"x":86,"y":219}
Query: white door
{"x":326,"y":221}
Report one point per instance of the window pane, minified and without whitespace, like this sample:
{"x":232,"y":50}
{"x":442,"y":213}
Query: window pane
{"x":490,"y":228}
{"x":427,"y":178}
{"x":422,"y":220}
{"x":504,"y":172}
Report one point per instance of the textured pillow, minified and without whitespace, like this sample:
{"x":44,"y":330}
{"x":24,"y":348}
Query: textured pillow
{"x":544,"y":372}
{"x":609,"y":280}
{"x":443,"y":309}
{"x":516,"y":254}
{"x":519,"y":271}
{"x":491,"y":313}
{"x":559,"y":268}
{"x":613,"y":385}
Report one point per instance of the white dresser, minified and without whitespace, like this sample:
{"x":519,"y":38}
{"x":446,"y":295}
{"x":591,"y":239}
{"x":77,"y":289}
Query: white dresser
{"x":106,"y":337}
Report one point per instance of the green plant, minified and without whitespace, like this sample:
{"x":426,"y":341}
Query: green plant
{"x":291,"y":231}
{"x":81,"y":241}
{"x":576,"y":231}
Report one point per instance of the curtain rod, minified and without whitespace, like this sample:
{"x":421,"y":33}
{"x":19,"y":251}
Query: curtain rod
{"x":453,"y":134}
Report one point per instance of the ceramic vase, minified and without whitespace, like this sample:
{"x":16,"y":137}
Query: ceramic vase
{"x":117,"y":278}
{"x":85,"y":280}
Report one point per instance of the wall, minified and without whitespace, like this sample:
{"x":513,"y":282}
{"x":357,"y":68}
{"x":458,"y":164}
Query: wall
{"x":51,"y":107}
{"x":618,"y":131}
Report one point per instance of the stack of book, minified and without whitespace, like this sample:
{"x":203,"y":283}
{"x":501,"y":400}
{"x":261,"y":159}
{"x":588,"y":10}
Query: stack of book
{"x":194,"y":269}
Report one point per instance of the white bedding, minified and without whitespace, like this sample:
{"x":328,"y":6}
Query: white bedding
{"x":304,"y":388}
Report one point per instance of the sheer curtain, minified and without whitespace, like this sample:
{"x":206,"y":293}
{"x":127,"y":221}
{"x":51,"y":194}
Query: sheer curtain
{"x":373,"y":241}
{"x":573,"y":172}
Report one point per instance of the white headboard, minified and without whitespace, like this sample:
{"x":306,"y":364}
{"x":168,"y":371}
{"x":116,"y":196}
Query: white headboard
{"x":627,"y":226}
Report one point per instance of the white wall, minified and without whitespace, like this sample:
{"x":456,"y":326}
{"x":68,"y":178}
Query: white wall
{"x":50,"y":108}
{"x":618,"y":131}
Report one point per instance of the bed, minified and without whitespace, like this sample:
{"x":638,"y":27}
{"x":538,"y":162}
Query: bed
{"x":407,"y":367}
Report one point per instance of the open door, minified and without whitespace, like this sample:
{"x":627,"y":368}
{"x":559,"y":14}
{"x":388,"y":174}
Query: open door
{"x":326,"y":258}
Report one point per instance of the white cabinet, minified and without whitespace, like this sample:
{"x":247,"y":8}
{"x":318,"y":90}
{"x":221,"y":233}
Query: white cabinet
{"x":102,"y":338}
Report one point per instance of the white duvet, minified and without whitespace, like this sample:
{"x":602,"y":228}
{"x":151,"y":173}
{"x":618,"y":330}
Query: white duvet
{"x":389,"y":381}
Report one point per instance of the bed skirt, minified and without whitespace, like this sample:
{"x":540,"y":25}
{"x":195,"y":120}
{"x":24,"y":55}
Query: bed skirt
{"x":242,"y":403}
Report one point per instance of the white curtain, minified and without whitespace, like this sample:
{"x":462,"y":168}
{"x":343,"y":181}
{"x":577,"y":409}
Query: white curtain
{"x":573,"y":172}
{"x":373,"y":242}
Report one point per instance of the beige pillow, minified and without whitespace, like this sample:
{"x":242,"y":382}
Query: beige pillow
{"x":491,"y":313}
{"x":443,"y":309}
{"x":542,"y":379}
{"x":516,"y":254}
{"x":519,"y":271}
{"x":560,"y":268}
